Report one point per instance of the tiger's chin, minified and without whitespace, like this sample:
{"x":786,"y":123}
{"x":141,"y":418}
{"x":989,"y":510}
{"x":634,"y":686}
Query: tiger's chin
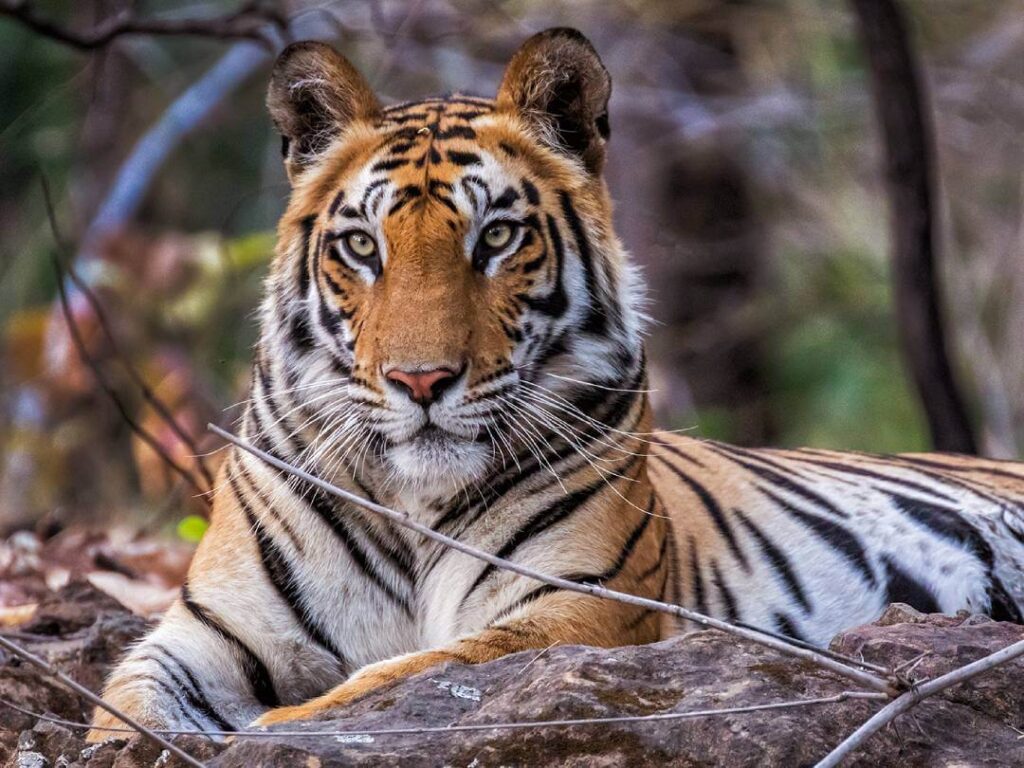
{"x":439,"y":464}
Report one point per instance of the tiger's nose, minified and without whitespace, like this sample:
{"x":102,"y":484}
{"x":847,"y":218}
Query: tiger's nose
{"x":424,"y":387}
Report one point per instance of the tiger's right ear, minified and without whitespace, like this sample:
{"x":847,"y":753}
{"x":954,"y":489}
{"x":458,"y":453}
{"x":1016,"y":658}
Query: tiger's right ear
{"x":314,"y":94}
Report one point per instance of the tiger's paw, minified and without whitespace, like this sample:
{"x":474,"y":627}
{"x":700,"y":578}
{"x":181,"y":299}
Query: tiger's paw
{"x":279,"y":715}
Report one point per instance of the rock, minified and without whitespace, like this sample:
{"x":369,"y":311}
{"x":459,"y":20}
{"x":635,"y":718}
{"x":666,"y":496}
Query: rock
{"x":976,"y":724}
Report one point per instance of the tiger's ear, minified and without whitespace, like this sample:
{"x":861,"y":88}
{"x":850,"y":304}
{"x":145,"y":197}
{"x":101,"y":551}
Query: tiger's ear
{"x":556,"y":81}
{"x":314,"y":94}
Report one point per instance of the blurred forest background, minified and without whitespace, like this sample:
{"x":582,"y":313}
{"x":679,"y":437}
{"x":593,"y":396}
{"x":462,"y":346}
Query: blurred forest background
{"x":745,"y":161}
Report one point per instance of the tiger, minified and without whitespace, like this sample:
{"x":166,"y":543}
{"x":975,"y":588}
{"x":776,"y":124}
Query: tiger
{"x":452,"y":328}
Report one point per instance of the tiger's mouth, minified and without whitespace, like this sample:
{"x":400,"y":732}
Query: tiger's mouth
{"x":432,"y":432}
{"x":438,"y":460}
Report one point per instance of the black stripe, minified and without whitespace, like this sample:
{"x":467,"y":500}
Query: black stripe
{"x":546,"y":519}
{"x":283,"y":578}
{"x":631,"y":542}
{"x":881,"y":476}
{"x":336,"y":203}
{"x":405,"y":195}
{"x":532,"y":195}
{"x":1001,"y":605}
{"x":186,"y":713}
{"x":699,"y":593}
{"x":456,"y":132}
{"x":656,"y":565}
{"x":832,"y":533}
{"x":389,"y":164}
{"x":645,"y":613}
{"x":320,"y":503}
{"x":785,"y":626}
{"x":678,"y":452}
{"x":282,"y":422}
{"x":307,"y":236}
{"x":950,"y":525}
{"x":945,"y":522}
{"x":902,"y":588}
{"x":556,"y":302}
{"x":778,"y":560}
{"x":731,"y":612}
{"x":597,"y":319}
{"x":270,"y":508}
{"x":370,"y":189}
{"x":193,"y":692}
{"x":596,"y":579}
{"x":714,"y":511}
{"x":972,"y":468}
{"x":759,"y":465}
{"x":254,"y":669}
{"x":464,"y":158}
{"x":299,"y":332}
{"x":505,"y":199}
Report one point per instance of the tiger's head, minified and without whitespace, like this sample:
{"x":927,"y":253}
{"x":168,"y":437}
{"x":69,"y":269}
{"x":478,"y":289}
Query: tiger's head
{"x":444,"y":267}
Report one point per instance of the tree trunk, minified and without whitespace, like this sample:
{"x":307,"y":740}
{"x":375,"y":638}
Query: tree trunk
{"x":903,"y":116}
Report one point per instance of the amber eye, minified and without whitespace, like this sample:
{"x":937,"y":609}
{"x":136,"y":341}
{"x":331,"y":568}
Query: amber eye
{"x":498,"y":235}
{"x":360,"y":244}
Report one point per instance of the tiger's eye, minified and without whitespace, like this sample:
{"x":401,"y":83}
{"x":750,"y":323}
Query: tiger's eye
{"x":361,"y":244}
{"x":497,"y":235}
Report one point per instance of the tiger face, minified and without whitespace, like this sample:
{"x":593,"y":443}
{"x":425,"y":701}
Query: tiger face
{"x":447,"y":277}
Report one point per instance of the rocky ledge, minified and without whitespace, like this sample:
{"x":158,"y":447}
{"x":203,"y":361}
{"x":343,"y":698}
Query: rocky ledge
{"x":980,"y":723}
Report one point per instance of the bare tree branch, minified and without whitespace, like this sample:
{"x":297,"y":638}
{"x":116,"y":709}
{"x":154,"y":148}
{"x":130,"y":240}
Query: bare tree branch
{"x":915,"y":696}
{"x":903,"y":115}
{"x":247,"y":23}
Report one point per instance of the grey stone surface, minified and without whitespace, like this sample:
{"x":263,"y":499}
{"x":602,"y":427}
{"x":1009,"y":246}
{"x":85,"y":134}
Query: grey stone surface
{"x":976,"y":724}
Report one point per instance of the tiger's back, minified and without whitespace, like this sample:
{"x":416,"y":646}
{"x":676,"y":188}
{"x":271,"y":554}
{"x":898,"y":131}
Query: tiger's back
{"x":807,"y":542}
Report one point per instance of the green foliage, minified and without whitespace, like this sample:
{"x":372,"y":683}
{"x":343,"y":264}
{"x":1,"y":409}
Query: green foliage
{"x":192,"y":528}
{"x":836,"y":377}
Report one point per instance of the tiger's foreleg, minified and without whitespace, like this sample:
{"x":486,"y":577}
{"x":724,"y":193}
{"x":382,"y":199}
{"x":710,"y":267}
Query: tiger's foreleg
{"x":184,"y":675}
{"x":560,"y":618}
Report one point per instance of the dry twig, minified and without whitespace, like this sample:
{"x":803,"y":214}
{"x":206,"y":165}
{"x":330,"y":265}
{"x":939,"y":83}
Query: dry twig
{"x":915,"y":696}
{"x":92,"y":698}
{"x":247,"y":23}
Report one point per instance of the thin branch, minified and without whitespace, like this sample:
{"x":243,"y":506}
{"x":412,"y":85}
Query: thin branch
{"x":247,"y":23}
{"x":867,"y":679}
{"x":101,"y":379}
{"x":510,"y":726}
{"x":915,"y":696}
{"x":92,"y":698}
{"x":147,"y":393}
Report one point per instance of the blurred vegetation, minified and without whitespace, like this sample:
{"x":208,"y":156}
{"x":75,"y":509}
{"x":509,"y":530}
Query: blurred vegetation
{"x":744,"y":159}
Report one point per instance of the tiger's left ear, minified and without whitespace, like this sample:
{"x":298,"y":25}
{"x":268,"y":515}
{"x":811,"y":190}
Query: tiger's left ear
{"x":557,"y":83}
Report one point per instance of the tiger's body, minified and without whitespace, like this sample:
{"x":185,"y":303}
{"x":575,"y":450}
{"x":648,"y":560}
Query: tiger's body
{"x":451,"y":328}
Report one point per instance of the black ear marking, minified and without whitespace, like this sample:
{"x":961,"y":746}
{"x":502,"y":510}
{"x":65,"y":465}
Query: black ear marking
{"x":556,"y":81}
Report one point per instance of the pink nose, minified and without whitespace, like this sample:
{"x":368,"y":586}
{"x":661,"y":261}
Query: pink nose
{"x":422,"y":386}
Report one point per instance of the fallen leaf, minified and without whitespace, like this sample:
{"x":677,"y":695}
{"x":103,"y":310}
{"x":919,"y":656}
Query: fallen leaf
{"x":139,"y":597}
